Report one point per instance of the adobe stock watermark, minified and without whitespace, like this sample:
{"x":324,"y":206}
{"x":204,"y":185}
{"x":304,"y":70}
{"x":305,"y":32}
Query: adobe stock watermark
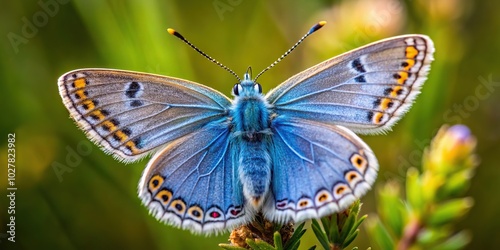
{"x":223,"y":6}
{"x":72,"y":160}
{"x":31,"y":26}
{"x":471,"y":103}
{"x":456,"y":114}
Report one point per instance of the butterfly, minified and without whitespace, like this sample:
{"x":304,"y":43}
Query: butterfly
{"x":291,"y":154}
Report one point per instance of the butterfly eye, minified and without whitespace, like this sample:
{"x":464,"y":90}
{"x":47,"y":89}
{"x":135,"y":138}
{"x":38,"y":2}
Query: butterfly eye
{"x":257,"y":87}
{"x":237,"y":89}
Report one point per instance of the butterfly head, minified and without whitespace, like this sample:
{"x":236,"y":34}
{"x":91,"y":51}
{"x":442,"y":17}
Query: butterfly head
{"x":247,"y":86}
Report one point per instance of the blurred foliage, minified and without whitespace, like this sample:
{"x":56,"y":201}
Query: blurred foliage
{"x":93,"y":203}
{"x":434,"y":198}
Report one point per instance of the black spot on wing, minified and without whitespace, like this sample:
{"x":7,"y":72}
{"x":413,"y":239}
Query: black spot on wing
{"x":357,"y":65}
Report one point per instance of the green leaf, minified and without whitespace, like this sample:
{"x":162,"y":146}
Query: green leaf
{"x":320,"y":235}
{"x":346,"y":228}
{"x":350,"y":238}
{"x":429,"y":236}
{"x":390,"y":207}
{"x":414,"y":191}
{"x":294,"y":241}
{"x":326,"y":222}
{"x":379,"y":234}
{"x":449,"y":211}
{"x":457,"y":241}
{"x":231,"y":247}
{"x":358,"y":223}
{"x":334,"y":233}
{"x":259,"y":244}
{"x":277,"y":241}
{"x":456,"y":184}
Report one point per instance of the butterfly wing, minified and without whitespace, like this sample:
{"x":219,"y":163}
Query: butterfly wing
{"x":318,"y":169}
{"x":191,"y":183}
{"x":366,"y":90}
{"x":130,"y":114}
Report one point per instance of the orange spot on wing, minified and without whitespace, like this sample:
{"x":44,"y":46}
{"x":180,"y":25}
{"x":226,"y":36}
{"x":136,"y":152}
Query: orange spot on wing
{"x":109,"y":125}
{"x":80,"y":83}
{"x":403,"y":77}
{"x":164,"y":196}
{"x":81,"y":94}
{"x":384,"y":104}
{"x":130,"y":145}
{"x":196,"y":212}
{"x":409,"y":64}
{"x":340,"y":190}
{"x":122,"y":136}
{"x":395,"y":90}
{"x":377,"y":118}
{"x":155,"y":183}
{"x":411,"y":52}
{"x":179,"y":206}
{"x":88,"y":105}
{"x":98,"y":114}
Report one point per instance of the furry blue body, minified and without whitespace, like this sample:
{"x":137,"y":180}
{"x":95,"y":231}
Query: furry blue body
{"x":251,"y":138}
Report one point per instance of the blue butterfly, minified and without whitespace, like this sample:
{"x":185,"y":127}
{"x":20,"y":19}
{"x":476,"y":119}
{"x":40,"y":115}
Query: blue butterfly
{"x":290,"y":154}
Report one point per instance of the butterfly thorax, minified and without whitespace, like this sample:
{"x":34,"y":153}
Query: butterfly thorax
{"x":251,"y":137}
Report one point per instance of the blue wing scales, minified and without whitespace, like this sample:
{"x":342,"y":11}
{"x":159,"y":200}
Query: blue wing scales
{"x":191,"y":183}
{"x":318,"y":169}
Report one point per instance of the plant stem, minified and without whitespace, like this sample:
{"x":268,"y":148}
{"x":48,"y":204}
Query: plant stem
{"x":409,"y":235}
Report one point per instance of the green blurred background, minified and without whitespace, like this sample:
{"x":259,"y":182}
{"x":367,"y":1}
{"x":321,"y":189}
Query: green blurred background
{"x":94,"y":204}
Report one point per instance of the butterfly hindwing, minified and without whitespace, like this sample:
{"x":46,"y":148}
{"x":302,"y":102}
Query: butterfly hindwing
{"x":191,"y":183}
{"x":130,"y":114}
{"x":366,"y":90}
{"x":318,"y":169}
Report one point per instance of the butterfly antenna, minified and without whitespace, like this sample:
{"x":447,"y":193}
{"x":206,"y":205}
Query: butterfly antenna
{"x":312,"y":30}
{"x":178,"y":35}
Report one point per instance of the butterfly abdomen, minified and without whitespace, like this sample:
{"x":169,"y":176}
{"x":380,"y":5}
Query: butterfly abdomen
{"x":255,"y":171}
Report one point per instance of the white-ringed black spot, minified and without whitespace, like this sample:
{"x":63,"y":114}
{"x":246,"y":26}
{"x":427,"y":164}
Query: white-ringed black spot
{"x":360,"y":78}
{"x":357,"y":65}
{"x":132,"y":89}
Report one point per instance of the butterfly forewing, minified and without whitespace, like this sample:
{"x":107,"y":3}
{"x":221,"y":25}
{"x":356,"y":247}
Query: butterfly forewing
{"x":366,"y":90}
{"x":130,"y":114}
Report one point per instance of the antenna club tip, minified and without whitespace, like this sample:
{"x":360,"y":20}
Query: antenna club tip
{"x":175,"y":33}
{"x":317,"y":26}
